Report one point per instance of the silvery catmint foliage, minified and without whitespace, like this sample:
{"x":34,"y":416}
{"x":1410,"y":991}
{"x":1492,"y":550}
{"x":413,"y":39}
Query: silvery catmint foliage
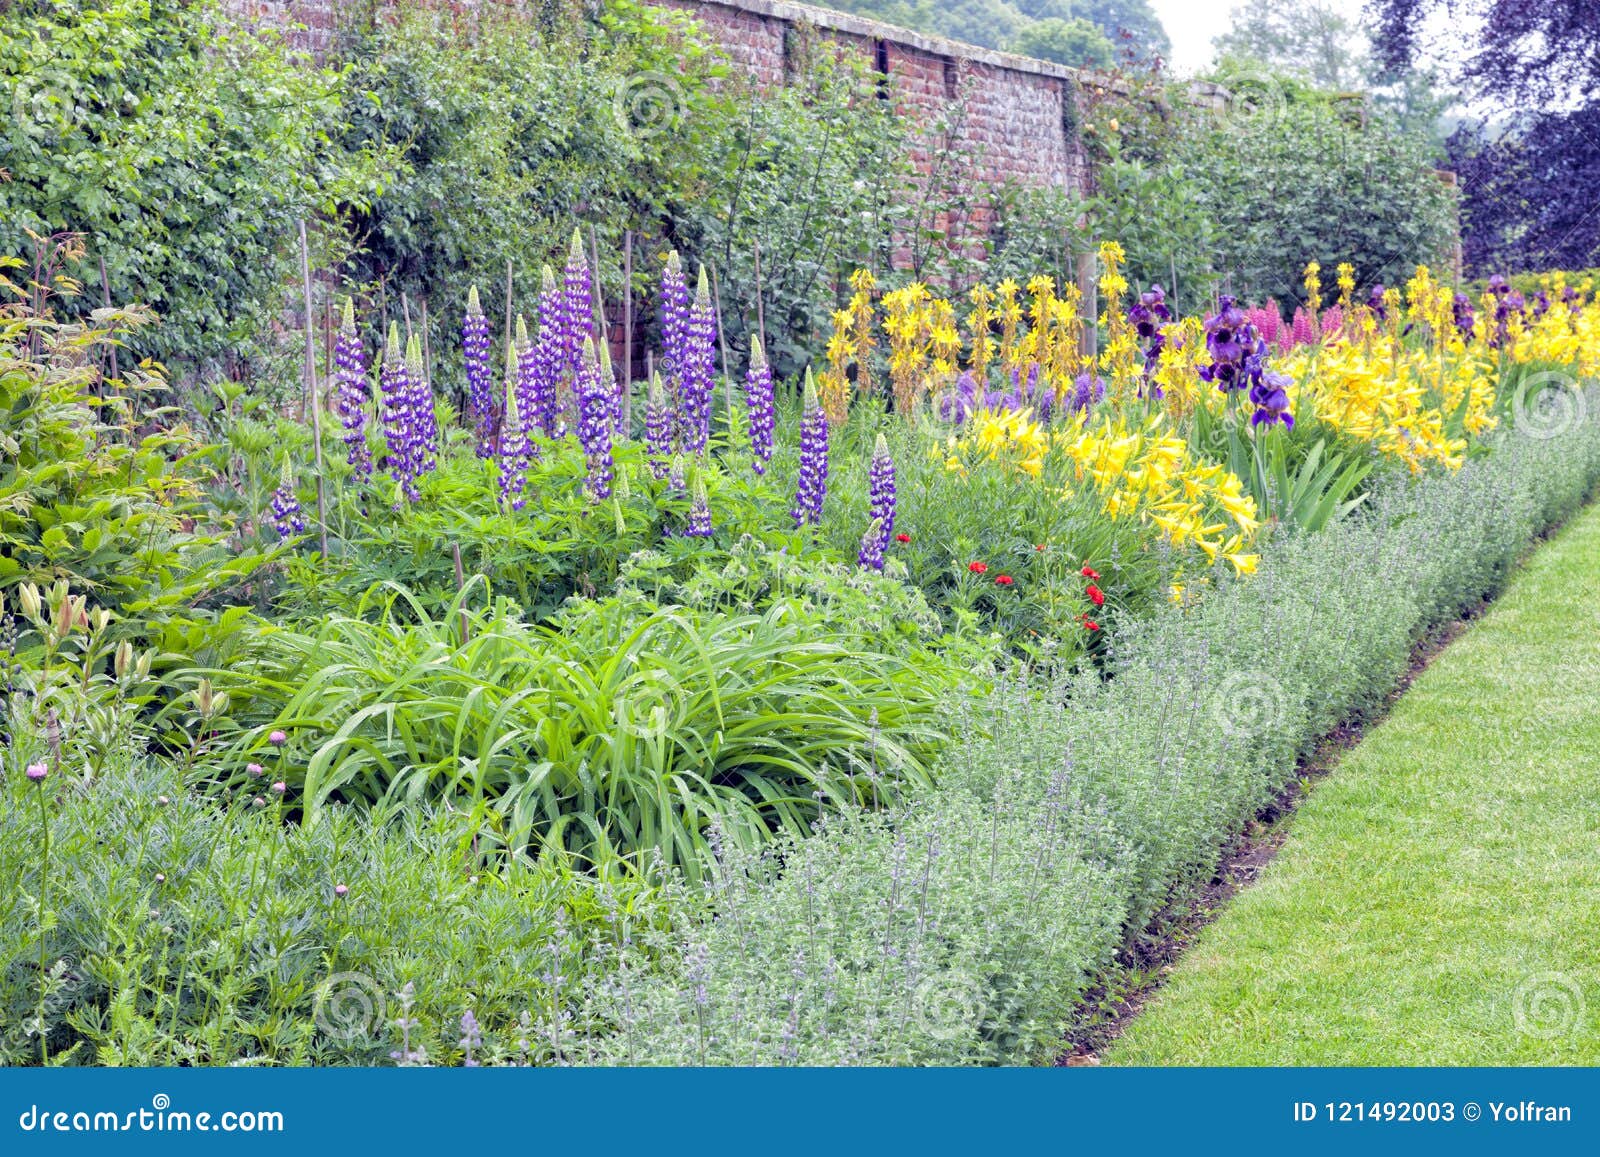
{"x":350,"y":392}
{"x":813,"y":484}
{"x":759,"y":408}
{"x":514,"y":445}
{"x":286,"y":515}
{"x":594,"y":394}
{"x":475,"y":342}
{"x":699,"y":377}
{"x":658,"y":428}
{"x":881,"y":496}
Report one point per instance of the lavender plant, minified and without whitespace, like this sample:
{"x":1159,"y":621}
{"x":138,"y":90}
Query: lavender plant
{"x":547,"y":364}
{"x":287,"y":518}
{"x":881,"y":498}
{"x":514,"y":445}
{"x":658,"y":426}
{"x":698,"y":375}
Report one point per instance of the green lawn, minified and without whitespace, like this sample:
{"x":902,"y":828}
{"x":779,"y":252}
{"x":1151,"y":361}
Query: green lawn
{"x":1438,"y":897}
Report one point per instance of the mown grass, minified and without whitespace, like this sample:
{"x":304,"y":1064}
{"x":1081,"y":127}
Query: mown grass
{"x":1437,"y":900}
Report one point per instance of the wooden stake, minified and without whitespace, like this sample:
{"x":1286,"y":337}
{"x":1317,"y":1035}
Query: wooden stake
{"x":427,"y":353}
{"x":1089,"y":332}
{"x":105,"y":296}
{"x":627,"y":332}
{"x":722,"y":338}
{"x":599,"y":287}
{"x":761,"y":316}
{"x":311,"y":386}
{"x":510,"y":269}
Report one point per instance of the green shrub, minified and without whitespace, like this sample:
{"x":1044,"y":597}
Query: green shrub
{"x":94,"y":489}
{"x":184,"y":147}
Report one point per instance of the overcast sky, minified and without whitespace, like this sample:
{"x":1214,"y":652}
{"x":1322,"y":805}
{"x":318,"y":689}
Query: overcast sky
{"x":1193,"y":24}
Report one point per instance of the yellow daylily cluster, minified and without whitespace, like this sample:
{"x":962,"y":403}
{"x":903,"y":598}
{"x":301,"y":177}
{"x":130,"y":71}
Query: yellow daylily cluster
{"x":1140,"y":470}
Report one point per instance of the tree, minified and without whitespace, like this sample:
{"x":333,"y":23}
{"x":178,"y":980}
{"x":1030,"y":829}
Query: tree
{"x":1305,"y":37}
{"x":1130,"y":24}
{"x":1531,"y":185}
{"x":1075,"y":42}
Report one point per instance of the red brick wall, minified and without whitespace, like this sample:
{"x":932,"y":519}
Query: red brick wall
{"x":1012,"y":117}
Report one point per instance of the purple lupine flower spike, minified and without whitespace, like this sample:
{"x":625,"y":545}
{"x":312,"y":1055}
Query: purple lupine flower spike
{"x":674,"y":310}
{"x":758,"y":407}
{"x":480,"y":383}
{"x":543,"y":405}
{"x":658,"y":428}
{"x":395,"y":384}
{"x":425,"y":423}
{"x":812,"y":489}
{"x":594,"y":423}
{"x":880,"y":492}
{"x":699,"y":370}
{"x":529,"y":390}
{"x":872,"y":547}
{"x":699,"y":525}
{"x":513,"y":441}
{"x":350,"y":397}
{"x":286,"y":515}
{"x":577,"y":314}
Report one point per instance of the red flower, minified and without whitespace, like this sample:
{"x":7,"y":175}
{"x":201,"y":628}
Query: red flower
{"x":902,"y":538}
{"x":1039,"y":547}
{"x":1096,"y":595}
{"x":1004,"y":580}
{"x":1091,"y":624}
{"x":1089,"y":572}
{"x":978,"y":567}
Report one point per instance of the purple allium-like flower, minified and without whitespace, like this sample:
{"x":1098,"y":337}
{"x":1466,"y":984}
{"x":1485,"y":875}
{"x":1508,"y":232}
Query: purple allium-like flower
{"x":277,"y":739}
{"x":279,"y":788}
{"x":341,"y":890}
{"x":758,"y":407}
{"x":480,"y":383}
{"x":594,"y":423}
{"x":514,"y":454}
{"x":812,"y":489}
{"x":540,"y":404}
{"x":36,"y":772}
{"x":698,"y":379}
{"x":699,"y":525}
{"x":881,"y":496}
{"x":350,"y":397}
{"x":255,"y":770}
{"x":286,"y":515}
{"x":658,"y":428}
